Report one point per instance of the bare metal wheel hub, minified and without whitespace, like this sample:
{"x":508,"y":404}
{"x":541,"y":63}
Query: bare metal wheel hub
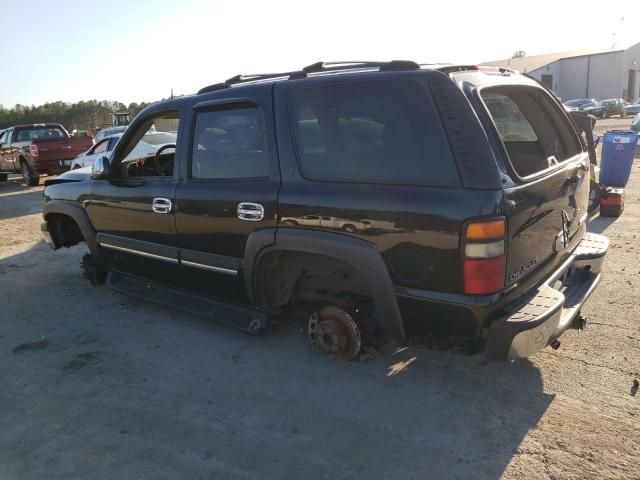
{"x":334,"y":332}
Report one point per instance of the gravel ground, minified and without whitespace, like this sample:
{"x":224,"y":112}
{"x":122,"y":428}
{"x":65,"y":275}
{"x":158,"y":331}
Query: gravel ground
{"x":96,"y":385}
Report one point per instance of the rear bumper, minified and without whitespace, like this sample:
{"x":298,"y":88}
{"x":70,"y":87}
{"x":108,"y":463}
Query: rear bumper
{"x":53,"y":167}
{"x":540,"y":316}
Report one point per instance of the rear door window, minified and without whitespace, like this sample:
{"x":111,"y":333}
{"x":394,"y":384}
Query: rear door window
{"x":371,"y":132}
{"x":229,"y":144}
{"x":535,"y":134}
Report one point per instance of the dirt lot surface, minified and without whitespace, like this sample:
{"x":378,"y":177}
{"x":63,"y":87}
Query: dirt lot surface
{"x":94,"y":385}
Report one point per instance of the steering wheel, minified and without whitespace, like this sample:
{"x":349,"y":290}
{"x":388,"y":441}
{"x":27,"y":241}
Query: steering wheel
{"x":156,"y":158}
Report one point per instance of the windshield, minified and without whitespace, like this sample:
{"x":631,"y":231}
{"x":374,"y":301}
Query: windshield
{"x":160,"y":138}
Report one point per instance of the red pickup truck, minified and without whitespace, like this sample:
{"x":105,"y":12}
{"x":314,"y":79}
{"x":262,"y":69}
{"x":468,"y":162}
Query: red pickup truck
{"x":38,"y":149}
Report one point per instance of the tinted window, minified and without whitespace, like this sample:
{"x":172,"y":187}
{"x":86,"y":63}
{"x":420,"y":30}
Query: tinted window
{"x":44,"y":133}
{"x":376,"y":132}
{"x":535,"y":133}
{"x":229,"y":144}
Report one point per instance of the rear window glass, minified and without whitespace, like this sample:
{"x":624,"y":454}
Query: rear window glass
{"x":510,"y":121}
{"x":535,"y":132}
{"x":371,"y":132}
{"x":45,"y":133}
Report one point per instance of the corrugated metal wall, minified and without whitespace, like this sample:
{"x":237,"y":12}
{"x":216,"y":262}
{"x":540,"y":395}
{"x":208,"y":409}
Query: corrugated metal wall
{"x":598,"y":76}
{"x":606,"y":75}
{"x":631,"y":61}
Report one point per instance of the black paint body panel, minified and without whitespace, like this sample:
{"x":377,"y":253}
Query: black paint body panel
{"x":413,"y":231}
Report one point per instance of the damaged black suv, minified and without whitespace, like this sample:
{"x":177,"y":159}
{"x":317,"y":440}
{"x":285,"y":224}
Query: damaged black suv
{"x":381,"y":197}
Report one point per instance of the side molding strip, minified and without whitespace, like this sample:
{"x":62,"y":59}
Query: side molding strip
{"x":138,"y":252}
{"x":227,"y":271}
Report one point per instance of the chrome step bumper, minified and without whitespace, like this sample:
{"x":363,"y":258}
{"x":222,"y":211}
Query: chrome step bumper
{"x":541,"y":315}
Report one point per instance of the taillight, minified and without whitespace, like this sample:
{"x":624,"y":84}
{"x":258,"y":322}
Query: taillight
{"x":33,"y":150}
{"x":616,"y":200}
{"x":483,"y":256}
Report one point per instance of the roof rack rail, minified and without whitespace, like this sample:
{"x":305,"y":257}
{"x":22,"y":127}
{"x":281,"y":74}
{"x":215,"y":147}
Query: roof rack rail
{"x":318,"y":67}
{"x":466,"y":68}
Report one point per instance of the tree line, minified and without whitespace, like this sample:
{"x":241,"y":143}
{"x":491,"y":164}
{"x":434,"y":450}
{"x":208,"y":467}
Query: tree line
{"x":81,"y":116}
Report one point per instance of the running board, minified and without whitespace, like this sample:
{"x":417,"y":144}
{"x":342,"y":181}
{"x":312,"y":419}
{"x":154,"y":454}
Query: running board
{"x":243,"y":318}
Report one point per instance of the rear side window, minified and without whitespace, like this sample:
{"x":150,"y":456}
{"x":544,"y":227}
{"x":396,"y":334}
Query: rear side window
{"x":535,"y":134}
{"x":371,"y":132}
{"x":229,"y":144}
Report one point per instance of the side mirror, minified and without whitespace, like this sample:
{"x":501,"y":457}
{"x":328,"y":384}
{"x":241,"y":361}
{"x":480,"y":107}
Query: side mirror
{"x":101,"y":168}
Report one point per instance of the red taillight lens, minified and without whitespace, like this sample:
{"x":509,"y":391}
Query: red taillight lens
{"x":483,"y":256}
{"x":33,"y":150}
{"x":482,"y":277}
{"x":612,"y":200}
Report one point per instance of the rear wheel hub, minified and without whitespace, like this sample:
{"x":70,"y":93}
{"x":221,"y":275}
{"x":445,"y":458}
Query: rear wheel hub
{"x":334,"y":332}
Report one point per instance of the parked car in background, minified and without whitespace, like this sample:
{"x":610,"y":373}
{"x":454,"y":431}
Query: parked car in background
{"x":146,"y":147}
{"x":631,"y":109}
{"x":103,"y":147}
{"x":635,"y":125}
{"x":606,"y":108}
{"x":107,"y":132}
{"x":43,"y":148}
{"x":580,"y":104}
{"x":478,"y":179}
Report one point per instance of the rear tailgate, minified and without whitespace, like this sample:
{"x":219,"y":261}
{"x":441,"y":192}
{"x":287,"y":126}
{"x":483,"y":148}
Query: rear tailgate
{"x":546,"y":220}
{"x":61,"y":148}
{"x":547,"y":198}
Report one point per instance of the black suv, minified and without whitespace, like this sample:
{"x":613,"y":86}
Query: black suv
{"x":385,"y":196}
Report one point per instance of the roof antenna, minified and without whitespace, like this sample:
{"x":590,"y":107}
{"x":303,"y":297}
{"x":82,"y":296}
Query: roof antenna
{"x":172,"y":94}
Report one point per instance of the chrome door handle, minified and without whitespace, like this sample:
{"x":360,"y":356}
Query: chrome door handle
{"x":251,"y":212}
{"x":161,"y":205}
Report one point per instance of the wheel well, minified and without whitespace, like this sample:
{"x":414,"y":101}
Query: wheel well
{"x":64,"y":230}
{"x":287,"y":277}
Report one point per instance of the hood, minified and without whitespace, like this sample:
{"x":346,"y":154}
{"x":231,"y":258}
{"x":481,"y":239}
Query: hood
{"x":77,"y":175}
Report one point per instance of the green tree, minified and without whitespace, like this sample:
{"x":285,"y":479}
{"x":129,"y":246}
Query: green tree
{"x":81,"y":115}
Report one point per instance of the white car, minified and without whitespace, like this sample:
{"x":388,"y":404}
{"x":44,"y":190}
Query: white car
{"x":101,"y":148}
{"x":150,"y":143}
{"x":108,"y":132}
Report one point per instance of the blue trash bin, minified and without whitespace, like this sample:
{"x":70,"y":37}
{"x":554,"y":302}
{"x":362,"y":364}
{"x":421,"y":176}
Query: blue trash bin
{"x":618,"y":149}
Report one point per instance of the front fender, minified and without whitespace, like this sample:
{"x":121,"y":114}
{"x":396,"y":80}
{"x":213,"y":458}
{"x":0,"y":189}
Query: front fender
{"x":79,"y":215}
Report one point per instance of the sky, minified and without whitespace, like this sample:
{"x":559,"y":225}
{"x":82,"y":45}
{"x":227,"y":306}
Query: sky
{"x":128,"y":50}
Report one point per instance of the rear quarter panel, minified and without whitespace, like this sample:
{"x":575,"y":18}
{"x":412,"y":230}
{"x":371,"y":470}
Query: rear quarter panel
{"x":416,"y":228}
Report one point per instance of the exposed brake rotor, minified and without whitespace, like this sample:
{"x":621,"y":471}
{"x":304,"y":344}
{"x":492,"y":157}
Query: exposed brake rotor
{"x":334,"y":332}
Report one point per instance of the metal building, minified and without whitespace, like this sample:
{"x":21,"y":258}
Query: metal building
{"x":583,"y":73}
